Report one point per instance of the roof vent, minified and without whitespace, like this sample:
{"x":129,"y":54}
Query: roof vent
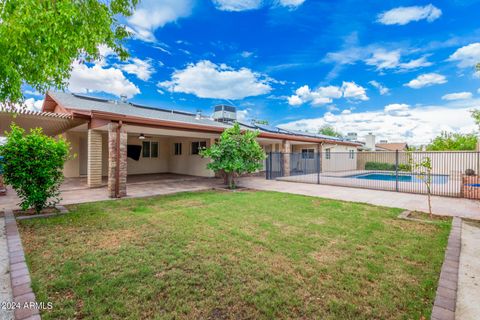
{"x":198,"y":115}
{"x":223,"y":113}
{"x":123,"y":98}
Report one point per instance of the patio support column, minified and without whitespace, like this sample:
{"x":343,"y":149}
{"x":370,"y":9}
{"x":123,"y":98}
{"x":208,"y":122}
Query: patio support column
{"x":286,"y":150}
{"x":94,"y":160}
{"x":117,"y":160}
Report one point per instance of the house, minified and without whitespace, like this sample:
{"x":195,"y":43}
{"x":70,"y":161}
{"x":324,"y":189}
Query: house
{"x":385,"y":146}
{"x":115,"y":139}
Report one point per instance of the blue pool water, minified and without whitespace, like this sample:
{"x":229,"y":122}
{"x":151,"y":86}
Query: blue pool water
{"x":402,"y":177}
{"x":477,"y":185}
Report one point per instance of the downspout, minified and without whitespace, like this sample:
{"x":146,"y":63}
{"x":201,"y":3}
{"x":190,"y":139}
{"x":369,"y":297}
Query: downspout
{"x":117,"y":167}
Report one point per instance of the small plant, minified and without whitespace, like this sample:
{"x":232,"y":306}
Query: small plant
{"x":423,"y":170}
{"x":235,"y":153}
{"x":33,"y":166}
{"x":469,"y":172}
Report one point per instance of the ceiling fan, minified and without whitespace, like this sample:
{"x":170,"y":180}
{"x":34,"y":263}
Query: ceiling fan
{"x":143,"y":137}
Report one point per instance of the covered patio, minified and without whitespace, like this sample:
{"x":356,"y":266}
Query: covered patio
{"x":76,"y":190}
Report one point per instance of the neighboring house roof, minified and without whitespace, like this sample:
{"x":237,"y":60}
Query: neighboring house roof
{"x":79,"y":105}
{"x":392,"y":146}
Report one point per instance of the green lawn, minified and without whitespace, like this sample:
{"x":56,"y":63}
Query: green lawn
{"x":242,"y":255}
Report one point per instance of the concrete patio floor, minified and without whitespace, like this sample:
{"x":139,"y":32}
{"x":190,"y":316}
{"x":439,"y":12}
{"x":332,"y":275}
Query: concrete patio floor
{"x":76,"y":190}
{"x":459,"y":207}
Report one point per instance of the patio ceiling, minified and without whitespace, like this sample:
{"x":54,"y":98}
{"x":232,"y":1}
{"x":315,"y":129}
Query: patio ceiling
{"x":52,"y":123}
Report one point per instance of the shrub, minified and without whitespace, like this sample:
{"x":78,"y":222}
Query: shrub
{"x":371,"y":165}
{"x":33,"y":166}
{"x":235,"y":153}
{"x":379,"y":166}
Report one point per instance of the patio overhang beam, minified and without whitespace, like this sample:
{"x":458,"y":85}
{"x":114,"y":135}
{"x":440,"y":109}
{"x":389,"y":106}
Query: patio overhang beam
{"x":52,"y":123}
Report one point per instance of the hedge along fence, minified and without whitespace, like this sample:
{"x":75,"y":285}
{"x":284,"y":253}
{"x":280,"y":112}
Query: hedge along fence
{"x":387,"y":166}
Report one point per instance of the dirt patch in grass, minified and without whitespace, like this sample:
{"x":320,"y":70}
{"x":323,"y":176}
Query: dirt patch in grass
{"x":425,"y":216}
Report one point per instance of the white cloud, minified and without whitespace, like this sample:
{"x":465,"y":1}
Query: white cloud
{"x":467,"y":56}
{"x":246,"y":54}
{"x":243,"y":115}
{"x":237,"y":5}
{"x":384,"y":59}
{"x":351,"y":90}
{"x":397,"y":109}
{"x":245,"y":5}
{"x":104,"y":51}
{"x":419,"y":126}
{"x":426,"y":80}
{"x":381,"y":88}
{"x":325,"y":95}
{"x":404,"y":15}
{"x":86,"y":79}
{"x":206,"y":79}
{"x":153,"y":14}
{"x":33,"y":105}
{"x":143,"y":69}
{"x":415,"y":64}
{"x":379,"y":57}
{"x":319,"y":96}
{"x":457,"y":96}
{"x":291,"y":3}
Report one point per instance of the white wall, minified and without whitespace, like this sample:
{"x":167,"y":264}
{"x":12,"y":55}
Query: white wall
{"x":188,"y":163}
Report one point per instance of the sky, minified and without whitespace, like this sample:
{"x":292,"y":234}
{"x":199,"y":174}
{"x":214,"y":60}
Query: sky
{"x":403,"y":70}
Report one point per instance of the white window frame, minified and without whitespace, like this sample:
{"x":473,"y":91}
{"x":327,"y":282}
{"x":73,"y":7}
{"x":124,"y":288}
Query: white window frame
{"x":150,"y":142}
{"x":351,"y":154}
{"x":175,"y":144}
{"x":308,"y":153}
{"x":200,"y":142}
{"x":328,"y":153}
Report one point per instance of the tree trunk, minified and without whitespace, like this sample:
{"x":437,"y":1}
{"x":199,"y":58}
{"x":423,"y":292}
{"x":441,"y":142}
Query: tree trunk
{"x":231,"y":180}
{"x":429,"y":202}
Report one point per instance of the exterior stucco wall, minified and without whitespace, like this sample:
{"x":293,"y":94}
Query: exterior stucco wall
{"x":188,"y":163}
{"x":339,"y":158}
{"x":149,"y":165}
{"x":72,"y":166}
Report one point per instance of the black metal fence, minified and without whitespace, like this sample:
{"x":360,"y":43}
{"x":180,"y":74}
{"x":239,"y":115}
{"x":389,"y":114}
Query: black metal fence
{"x":453,"y":174}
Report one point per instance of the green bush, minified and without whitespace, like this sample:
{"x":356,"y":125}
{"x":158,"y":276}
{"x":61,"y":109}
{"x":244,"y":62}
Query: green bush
{"x":379,"y":166}
{"x":33,"y":166}
{"x":383,"y":166}
{"x":236,"y":152}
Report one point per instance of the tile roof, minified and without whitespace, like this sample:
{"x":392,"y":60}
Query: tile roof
{"x":392,"y":146}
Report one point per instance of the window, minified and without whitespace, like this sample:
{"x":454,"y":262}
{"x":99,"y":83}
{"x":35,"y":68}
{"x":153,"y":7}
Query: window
{"x":150,"y":149}
{"x":154,"y":149}
{"x":308,"y":153}
{"x":351,"y":154}
{"x":197,"y":146}
{"x":146,"y":149}
{"x":327,"y":153}
{"x":177,"y":149}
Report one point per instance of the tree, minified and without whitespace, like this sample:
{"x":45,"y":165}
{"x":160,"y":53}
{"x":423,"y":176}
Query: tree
{"x":235,"y":153}
{"x":422,"y":169}
{"x":33,"y":165}
{"x":39,"y":40}
{"x":329,"y":131}
{"x":476,"y":116}
{"x":453,"y":141}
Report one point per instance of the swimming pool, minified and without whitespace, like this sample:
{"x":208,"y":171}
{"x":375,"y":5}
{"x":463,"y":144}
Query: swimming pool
{"x":402,"y":177}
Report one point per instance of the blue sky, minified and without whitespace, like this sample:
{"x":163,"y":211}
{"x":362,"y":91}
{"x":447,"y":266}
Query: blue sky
{"x":403,"y":70}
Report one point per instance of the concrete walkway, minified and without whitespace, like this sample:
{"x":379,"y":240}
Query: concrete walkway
{"x":468,"y":294}
{"x":5,"y":284}
{"x":441,"y":205}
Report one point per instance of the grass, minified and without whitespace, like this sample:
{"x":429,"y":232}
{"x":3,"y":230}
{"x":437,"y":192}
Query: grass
{"x":242,"y":255}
